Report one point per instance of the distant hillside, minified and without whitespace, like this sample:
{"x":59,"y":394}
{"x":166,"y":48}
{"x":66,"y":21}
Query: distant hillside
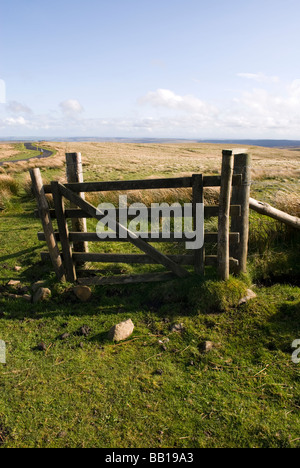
{"x":263,"y":143}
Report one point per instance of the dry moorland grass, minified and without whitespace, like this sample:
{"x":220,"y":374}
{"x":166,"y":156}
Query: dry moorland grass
{"x":125,"y":159}
{"x":7,"y":151}
{"x":113,"y":161}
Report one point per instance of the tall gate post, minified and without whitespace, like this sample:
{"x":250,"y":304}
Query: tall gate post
{"x":240,"y":196}
{"x":224,"y":214}
{"x":44,"y":212}
{"x":75,"y":175}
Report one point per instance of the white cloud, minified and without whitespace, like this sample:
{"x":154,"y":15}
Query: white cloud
{"x":13,"y":122}
{"x":71,"y":107}
{"x":168,"y":99}
{"x":259,"y":77}
{"x":263,"y":112}
{"x":15,"y":107}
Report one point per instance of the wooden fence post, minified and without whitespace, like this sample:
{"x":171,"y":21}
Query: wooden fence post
{"x":240,"y":196}
{"x":224,"y":214}
{"x":63,"y":232}
{"x":44,"y":213}
{"x":198,"y":198}
{"x":75,"y":175}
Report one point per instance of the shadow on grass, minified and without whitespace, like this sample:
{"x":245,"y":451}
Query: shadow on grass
{"x":166,"y":300}
{"x":282,"y":328}
{"x":19,"y":253}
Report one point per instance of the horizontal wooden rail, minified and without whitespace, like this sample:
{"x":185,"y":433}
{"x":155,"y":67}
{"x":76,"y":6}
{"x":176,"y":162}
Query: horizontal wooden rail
{"x":129,"y":258}
{"x":128,"y":279}
{"x":209,"y":212}
{"x":267,"y":210}
{"x":210,"y":260}
{"x":209,"y":237}
{"x":179,"y":182}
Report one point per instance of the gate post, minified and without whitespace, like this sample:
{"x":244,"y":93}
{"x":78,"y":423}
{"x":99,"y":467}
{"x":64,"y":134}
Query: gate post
{"x":75,"y":175}
{"x":224,"y":214}
{"x":240,"y":196}
{"x":44,"y":212}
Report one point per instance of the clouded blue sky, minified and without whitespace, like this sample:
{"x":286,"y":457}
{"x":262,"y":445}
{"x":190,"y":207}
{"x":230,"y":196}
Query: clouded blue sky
{"x":150,"y":68}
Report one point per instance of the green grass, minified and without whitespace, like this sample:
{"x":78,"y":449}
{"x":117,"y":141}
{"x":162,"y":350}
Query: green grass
{"x":158,"y":389}
{"x":89,"y":392}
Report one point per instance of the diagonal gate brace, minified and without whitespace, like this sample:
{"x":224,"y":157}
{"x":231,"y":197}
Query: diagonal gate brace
{"x":132,"y":237}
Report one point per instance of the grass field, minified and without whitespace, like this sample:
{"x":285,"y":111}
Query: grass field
{"x":159,"y":388}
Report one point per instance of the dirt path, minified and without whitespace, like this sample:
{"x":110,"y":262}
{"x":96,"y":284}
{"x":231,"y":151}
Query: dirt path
{"x":29,"y":146}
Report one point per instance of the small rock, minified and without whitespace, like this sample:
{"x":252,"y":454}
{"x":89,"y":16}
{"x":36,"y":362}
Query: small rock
{"x":37,"y":285}
{"x":14,"y":283}
{"x":41,"y":346}
{"x":41,"y":295}
{"x":83,"y":293}
{"x":65,"y":336}
{"x":17,"y":268}
{"x":207,"y":346}
{"x":121,"y":331}
{"x":27,"y":297}
{"x":177,"y":327}
{"x":249,"y":295}
{"x":84,"y":331}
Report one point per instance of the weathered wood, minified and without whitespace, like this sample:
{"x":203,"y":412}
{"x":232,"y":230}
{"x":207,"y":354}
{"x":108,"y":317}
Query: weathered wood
{"x":134,"y":239}
{"x":132,"y":279}
{"x":180,"y":182}
{"x":224,"y":215}
{"x":44,"y":214}
{"x":198,"y":199}
{"x":130,"y":258}
{"x":210,"y":260}
{"x":240,"y":195}
{"x":209,"y":212}
{"x":267,"y":210}
{"x":75,"y":175}
{"x":64,"y":233}
{"x":209,"y":237}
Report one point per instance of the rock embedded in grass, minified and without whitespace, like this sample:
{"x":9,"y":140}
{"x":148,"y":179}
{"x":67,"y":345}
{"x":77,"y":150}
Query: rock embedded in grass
{"x":249,"y":295}
{"x":177,"y":327}
{"x":83,"y":293}
{"x":65,"y":336}
{"x":41,"y":346}
{"x":121,"y":331}
{"x":207,"y":346}
{"x":84,"y":331}
{"x":42,"y":294}
{"x":14,"y":284}
{"x":37,"y":285}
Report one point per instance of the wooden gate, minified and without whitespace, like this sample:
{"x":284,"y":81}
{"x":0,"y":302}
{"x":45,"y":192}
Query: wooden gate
{"x":66,"y":260}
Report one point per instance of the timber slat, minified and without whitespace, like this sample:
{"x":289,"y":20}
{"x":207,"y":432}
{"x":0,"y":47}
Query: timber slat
{"x":133,"y":279}
{"x":179,"y":182}
{"x":209,"y":238}
{"x":209,"y":212}
{"x":210,"y":260}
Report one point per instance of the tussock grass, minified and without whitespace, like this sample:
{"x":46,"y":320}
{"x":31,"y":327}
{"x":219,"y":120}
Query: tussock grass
{"x":8,"y":188}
